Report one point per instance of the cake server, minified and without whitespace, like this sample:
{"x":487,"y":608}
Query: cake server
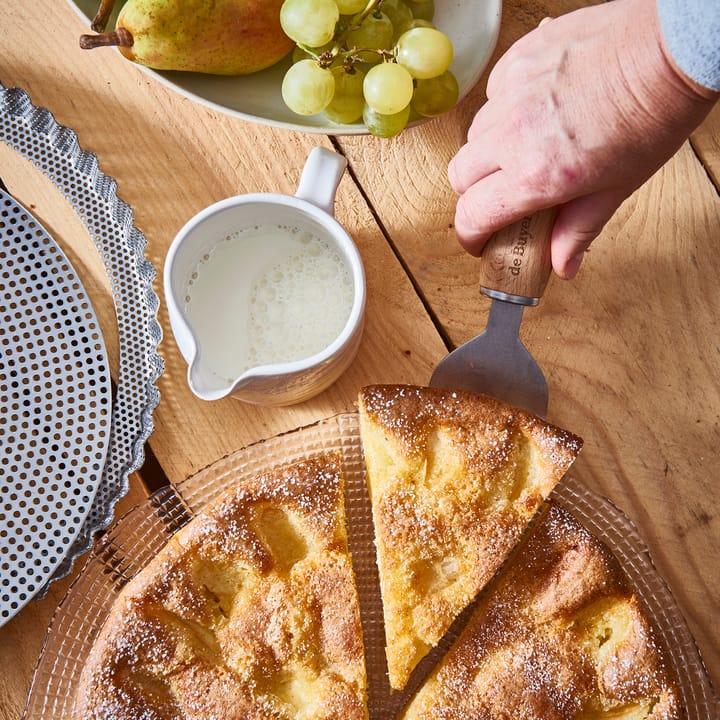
{"x":515,"y":267}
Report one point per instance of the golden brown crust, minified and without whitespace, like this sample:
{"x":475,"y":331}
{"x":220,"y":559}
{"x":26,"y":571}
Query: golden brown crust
{"x":250,"y":611}
{"x":454,"y":479}
{"x":559,"y":635}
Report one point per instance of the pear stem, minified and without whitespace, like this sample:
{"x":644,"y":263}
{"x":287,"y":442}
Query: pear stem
{"x":120,"y":38}
{"x":99,"y":22}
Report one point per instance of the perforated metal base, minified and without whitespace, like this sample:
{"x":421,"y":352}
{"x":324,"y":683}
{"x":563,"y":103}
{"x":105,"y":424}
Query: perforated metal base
{"x":55,"y":405}
{"x":54,"y":149}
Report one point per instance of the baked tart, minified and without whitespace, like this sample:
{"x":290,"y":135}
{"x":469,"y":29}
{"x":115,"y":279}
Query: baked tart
{"x":454,"y":479}
{"x":559,"y":634}
{"x":249,"y":611}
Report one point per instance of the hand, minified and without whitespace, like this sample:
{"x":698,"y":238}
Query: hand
{"x":580,"y":112}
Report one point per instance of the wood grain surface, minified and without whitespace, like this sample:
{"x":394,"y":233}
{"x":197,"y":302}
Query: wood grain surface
{"x":629,"y":348}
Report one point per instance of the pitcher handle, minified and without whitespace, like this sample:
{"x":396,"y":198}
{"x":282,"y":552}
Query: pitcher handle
{"x":320,"y":178}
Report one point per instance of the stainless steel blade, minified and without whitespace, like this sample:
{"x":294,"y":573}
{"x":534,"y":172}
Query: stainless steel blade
{"x":497,"y":363}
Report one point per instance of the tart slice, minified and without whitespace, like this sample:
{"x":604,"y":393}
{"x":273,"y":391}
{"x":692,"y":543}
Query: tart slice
{"x":560,"y":634}
{"x":454,"y":479}
{"x":249,"y":611}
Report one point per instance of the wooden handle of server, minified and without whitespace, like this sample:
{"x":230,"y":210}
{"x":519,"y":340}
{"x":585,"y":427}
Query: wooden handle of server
{"x":515,"y":262}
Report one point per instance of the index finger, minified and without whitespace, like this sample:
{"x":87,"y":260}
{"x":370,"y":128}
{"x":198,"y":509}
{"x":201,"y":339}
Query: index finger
{"x":488,"y":206}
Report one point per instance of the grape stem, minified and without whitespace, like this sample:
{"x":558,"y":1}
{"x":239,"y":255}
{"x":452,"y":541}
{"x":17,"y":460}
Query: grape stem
{"x":350,"y":56}
{"x":353,"y":54}
{"x":357,"y":20}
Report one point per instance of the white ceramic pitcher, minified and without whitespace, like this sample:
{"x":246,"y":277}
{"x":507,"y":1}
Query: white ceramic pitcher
{"x":309,"y":210}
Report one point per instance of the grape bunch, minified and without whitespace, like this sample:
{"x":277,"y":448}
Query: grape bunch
{"x":382,"y":62}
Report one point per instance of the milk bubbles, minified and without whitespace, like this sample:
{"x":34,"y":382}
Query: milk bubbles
{"x":267,"y":294}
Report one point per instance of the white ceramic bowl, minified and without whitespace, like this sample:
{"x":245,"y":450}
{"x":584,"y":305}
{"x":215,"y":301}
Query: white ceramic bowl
{"x":472,"y":25}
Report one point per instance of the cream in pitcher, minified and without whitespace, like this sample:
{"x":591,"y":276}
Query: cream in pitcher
{"x":266,"y":292}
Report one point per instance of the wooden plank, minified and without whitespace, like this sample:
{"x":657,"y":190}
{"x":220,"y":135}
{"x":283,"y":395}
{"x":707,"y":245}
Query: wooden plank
{"x":406,"y":182}
{"x":706,"y":143}
{"x":629,"y":348}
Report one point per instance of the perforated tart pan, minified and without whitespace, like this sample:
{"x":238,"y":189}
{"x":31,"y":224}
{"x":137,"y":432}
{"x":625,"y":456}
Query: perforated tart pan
{"x":55,"y":404}
{"x":55,"y":151}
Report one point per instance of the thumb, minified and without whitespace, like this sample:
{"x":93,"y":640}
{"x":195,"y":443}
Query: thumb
{"x":577,"y":224}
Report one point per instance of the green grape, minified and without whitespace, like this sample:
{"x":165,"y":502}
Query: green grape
{"x":388,"y":88}
{"x":307,"y":88}
{"x":347,"y":103}
{"x":385,"y":126}
{"x":415,"y":116}
{"x":309,"y":22}
{"x":376,"y":32}
{"x":350,"y":7}
{"x":436,"y":95}
{"x":397,"y":11}
{"x":424,"y":10}
{"x":413,"y":23}
{"x":424,"y":52}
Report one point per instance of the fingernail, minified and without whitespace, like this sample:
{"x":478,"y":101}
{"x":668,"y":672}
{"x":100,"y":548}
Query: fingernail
{"x":573,"y":265}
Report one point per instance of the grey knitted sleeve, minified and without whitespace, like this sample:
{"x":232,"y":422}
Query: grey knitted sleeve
{"x":691,"y":30}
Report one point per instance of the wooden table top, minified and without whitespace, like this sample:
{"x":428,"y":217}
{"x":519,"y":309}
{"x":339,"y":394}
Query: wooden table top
{"x":630,"y":348}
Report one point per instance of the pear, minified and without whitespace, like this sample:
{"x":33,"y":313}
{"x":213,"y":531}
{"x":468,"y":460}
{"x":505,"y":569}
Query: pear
{"x":224,"y":37}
